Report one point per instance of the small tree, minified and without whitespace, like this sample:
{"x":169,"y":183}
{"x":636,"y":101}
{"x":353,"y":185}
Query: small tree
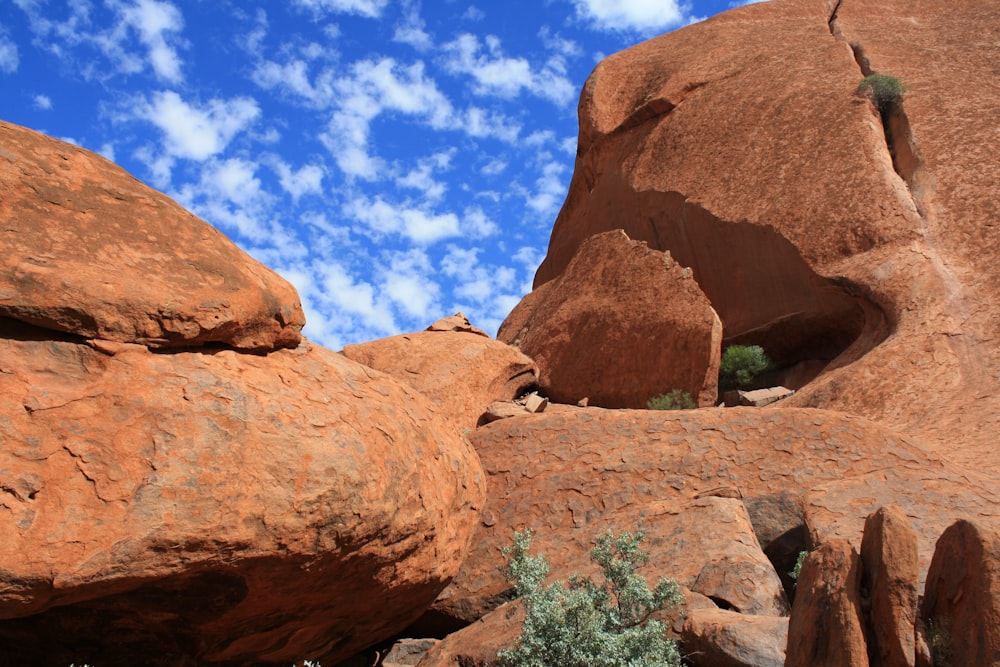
{"x":740,"y":366}
{"x":675,"y":399}
{"x":587,"y":623}
{"x":882,"y":89}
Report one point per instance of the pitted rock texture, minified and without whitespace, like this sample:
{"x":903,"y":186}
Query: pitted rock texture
{"x":573,"y":473}
{"x":961,"y":604}
{"x":740,"y":145}
{"x":722,"y":638}
{"x":621,"y":325}
{"x":827,"y":626}
{"x":461,"y":371}
{"x":89,"y":250}
{"x":889,"y":578}
{"x":215,"y":507}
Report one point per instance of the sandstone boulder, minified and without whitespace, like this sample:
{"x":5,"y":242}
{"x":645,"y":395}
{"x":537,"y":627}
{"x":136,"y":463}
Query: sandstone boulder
{"x":623,"y":324}
{"x":570,"y":474}
{"x":827,"y":627}
{"x":722,"y":638}
{"x":89,"y":250}
{"x":890,"y":572}
{"x":740,"y":145}
{"x":223,"y":507}
{"x":461,"y":371}
{"x":961,"y":605}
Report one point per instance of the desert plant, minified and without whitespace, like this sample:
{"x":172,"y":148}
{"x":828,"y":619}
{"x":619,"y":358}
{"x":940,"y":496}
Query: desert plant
{"x":586,"y":623}
{"x":939,"y":642}
{"x":674,"y":399}
{"x":740,"y":365}
{"x":797,"y":570}
{"x":882,"y":89}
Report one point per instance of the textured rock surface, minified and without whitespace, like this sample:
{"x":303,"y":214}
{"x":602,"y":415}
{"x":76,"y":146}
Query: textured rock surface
{"x":217,"y":506}
{"x":89,"y":250}
{"x":572,"y":473}
{"x":740,"y":145}
{"x":961,"y":605}
{"x":827,"y":628}
{"x":461,"y":371}
{"x":890,"y":571}
{"x":722,"y":638}
{"x":621,"y":325}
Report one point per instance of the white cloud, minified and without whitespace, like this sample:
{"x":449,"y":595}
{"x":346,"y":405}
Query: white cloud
{"x":418,"y":225}
{"x":493,"y":167}
{"x":9,"y":59}
{"x":197,"y":132}
{"x":412,"y":30}
{"x":642,"y":16}
{"x":371,"y":88}
{"x":496,"y":74}
{"x":369,"y":8}
{"x":43,"y":102}
{"x":408,"y":282}
{"x":473,"y":13}
{"x":152,"y":21}
{"x":293,"y":76}
{"x":550,"y":190}
{"x":421,"y":177}
{"x":308,"y":179}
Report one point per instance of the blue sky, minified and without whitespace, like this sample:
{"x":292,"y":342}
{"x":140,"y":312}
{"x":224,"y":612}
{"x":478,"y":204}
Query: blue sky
{"x":396,"y":160}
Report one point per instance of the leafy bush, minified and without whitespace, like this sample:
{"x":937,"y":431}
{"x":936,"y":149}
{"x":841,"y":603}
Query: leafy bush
{"x":882,"y":89}
{"x":797,"y":570}
{"x":740,"y":366}
{"x":672,"y":400}
{"x":588,"y":624}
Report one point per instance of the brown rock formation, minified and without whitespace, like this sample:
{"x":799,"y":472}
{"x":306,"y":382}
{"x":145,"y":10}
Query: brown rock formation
{"x":462,"y":371}
{"x":621,"y":325}
{"x":202,"y":505}
{"x":890,"y":572}
{"x":572,"y":473}
{"x":89,"y":250}
{"x":961,"y":606}
{"x":740,"y":145}
{"x":721,"y":638}
{"x":826,"y":628}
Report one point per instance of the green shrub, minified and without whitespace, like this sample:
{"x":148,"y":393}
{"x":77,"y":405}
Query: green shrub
{"x":882,"y":89}
{"x":672,"y":400}
{"x":797,"y":570}
{"x":740,"y":366}
{"x":586,"y":623}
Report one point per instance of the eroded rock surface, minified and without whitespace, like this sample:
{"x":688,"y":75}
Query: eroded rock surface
{"x":89,"y":250}
{"x":573,"y":473}
{"x":221,"y":506}
{"x":722,"y":638}
{"x":460,"y":370}
{"x":623,"y":324}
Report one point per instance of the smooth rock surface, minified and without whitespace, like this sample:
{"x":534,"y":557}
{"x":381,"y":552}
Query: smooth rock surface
{"x":163,"y":508}
{"x":722,"y":638}
{"x":621,"y":325}
{"x":826,"y":628}
{"x":461,"y":371}
{"x":89,"y":250}
{"x":889,"y":577}
{"x":961,"y":605}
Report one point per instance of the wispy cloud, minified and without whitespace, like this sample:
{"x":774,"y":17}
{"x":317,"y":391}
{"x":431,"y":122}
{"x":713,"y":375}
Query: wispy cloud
{"x":497,"y":74}
{"x":9,"y":59}
{"x":641,"y":16}
{"x":369,"y":8}
{"x":154,"y":22}
{"x":412,"y":30}
{"x":43,"y":102}
{"x":193,"y":131}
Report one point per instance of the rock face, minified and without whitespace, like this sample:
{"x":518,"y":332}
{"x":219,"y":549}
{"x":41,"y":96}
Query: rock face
{"x":621,"y":325}
{"x":91,"y":251}
{"x":739,"y":145}
{"x":201,"y":505}
{"x":961,"y":607}
{"x":573,"y":473}
{"x":462,"y":371}
{"x":722,"y":638}
{"x":889,"y":577}
{"x":827,"y":627}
